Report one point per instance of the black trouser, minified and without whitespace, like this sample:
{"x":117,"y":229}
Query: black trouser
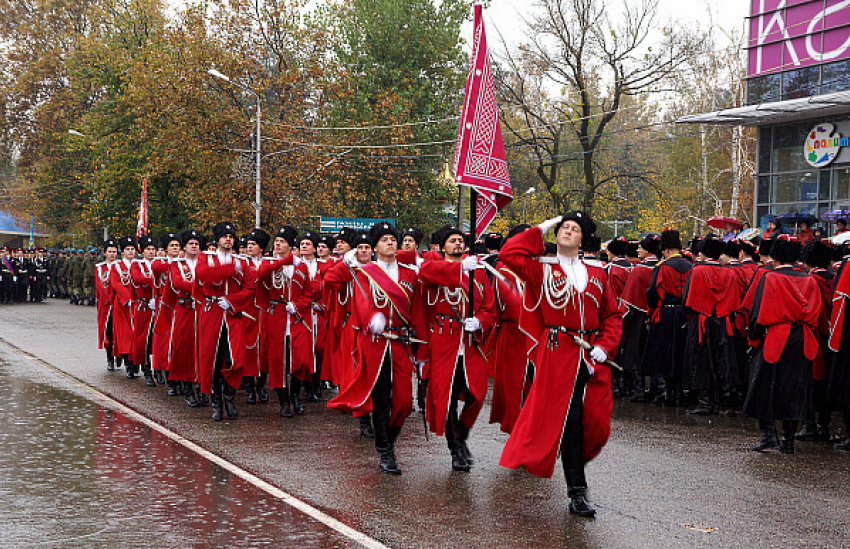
{"x":454,"y":429}
{"x":382,"y":405}
{"x":572,"y":439}
{"x":223,"y":360}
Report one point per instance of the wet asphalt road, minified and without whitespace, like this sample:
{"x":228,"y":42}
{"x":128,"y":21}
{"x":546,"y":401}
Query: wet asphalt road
{"x":664,"y":479}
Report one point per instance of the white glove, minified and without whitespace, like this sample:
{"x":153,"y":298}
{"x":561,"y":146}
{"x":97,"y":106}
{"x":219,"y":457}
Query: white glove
{"x":290,"y":308}
{"x":152,"y":304}
{"x":224,"y":304}
{"x":472,"y":324}
{"x":378,"y":323}
{"x":238,"y":264}
{"x":129,"y":303}
{"x":420,"y":367}
{"x":598,"y":354}
{"x":547,"y":225}
{"x":469,"y":263}
{"x":318,"y":308}
{"x":350,"y":258}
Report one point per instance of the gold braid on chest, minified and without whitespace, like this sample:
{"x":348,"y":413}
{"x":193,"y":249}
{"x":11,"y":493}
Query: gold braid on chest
{"x":558,"y":290}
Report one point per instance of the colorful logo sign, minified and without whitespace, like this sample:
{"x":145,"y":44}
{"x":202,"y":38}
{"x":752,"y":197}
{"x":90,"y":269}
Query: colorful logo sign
{"x":823,"y":144}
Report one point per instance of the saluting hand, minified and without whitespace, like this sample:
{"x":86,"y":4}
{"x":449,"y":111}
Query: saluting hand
{"x":547,"y":225}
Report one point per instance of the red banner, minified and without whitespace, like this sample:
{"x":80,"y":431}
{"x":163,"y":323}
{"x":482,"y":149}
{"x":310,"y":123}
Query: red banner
{"x":480,"y":155}
{"x":142,"y":225}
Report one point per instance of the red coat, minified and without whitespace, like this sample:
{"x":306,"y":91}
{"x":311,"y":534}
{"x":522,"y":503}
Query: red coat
{"x":161,"y":329}
{"x":396,"y":301}
{"x":253,"y":329}
{"x":120,"y":282}
{"x":143,"y":289}
{"x":274,"y":291}
{"x":825,"y":280}
{"x":534,"y":442}
{"x":339,"y":360}
{"x":619,"y":270}
{"x":509,"y":360}
{"x":183,"y":349}
{"x":215,"y":280}
{"x":104,"y":295}
{"x":443,"y":283}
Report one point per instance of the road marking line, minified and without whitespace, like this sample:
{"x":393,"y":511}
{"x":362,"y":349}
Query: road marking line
{"x":270,"y":489}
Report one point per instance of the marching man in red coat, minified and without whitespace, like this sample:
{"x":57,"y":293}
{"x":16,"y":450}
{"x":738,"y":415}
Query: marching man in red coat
{"x":121,"y":284}
{"x":142,"y":276}
{"x":224,"y":290}
{"x":105,"y":332}
{"x":456,"y":343}
{"x":383,"y":307}
{"x":569,"y":405}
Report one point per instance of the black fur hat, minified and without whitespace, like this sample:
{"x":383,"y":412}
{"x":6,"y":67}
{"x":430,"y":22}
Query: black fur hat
{"x":732,"y":249}
{"x":288,"y":233}
{"x":346,"y":234}
{"x":592,"y":245}
{"x":588,"y":227}
{"x":618,"y":246}
{"x":748,"y":247}
{"x":145,"y":241}
{"x":652,"y":244}
{"x":712,"y":247}
{"x":445,"y":232}
{"x":817,"y":254}
{"x":259,"y":236}
{"x":766,"y":247}
{"x":223,"y":228}
{"x":415,"y":233}
{"x":670,"y":240}
{"x":165,"y":239}
{"x":693,"y":246}
{"x":363,"y":237}
{"x":786,"y":249}
{"x":493,"y":241}
{"x":632,"y":248}
{"x":192,"y":234}
{"x":327,"y":240}
{"x":309,"y":235}
{"x":381,"y":229}
{"x":110,"y":243}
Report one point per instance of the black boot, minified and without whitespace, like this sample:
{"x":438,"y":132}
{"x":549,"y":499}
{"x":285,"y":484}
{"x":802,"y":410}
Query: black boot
{"x":262,"y":393}
{"x":250,"y":387}
{"x":295,"y":395}
{"x":110,"y":363}
{"x":283,"y":397}
{"x":388,"y":463}
{"x":310,"y":391}
{"x":578,"y":502}
{"x":459,"y":462}
{"x":788,"y":428}
{"x":768,"y":436}
{"x":229,"y":400}
{"x":159,"y":377}
{"x":217,"y":402}
{"x":317,"y":385}
{"x":366,"y":430}
{"x":639,"y":394}
{"x":132,"y":369}
{"x":189,"y":394}
{"x":463,"y":434}
{"x":705,"y":406}
{"x":202,"y":399}
{"x":809,"y":431}
{"x":660,"y":390}
{"x":146,"y":371}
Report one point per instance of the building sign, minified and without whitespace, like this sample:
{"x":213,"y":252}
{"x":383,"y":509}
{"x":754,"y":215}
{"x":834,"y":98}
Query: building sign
{"x":823,"y":145}
{"x":789,"y":34}
{"x":334,"y":224}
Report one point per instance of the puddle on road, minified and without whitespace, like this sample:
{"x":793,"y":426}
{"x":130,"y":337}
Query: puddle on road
{"x":73,"y":473}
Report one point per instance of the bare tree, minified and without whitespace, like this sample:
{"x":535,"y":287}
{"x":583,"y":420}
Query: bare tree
{"x":562,"y":89}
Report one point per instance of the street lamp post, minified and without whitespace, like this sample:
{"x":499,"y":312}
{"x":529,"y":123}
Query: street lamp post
{"x":528,"y":192}
{"x":258,"y":205}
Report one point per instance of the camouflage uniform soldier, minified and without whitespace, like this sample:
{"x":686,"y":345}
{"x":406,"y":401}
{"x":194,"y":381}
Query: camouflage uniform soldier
{"x":89,"y":262}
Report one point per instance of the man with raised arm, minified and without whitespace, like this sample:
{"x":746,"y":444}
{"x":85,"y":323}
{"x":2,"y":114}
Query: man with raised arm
{"x":569,"y":406}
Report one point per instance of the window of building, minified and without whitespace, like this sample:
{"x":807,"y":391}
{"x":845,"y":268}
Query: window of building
{"x":788,"y":143}
{"x":800,"y":83}
{"x":835,"y":77}
{"x":841,"y":183}
{"x":764,"y":89}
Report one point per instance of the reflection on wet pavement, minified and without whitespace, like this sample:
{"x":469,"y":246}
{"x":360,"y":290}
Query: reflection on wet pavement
{"x":73,"y":473}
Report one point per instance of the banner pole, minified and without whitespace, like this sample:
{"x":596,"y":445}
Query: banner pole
{"x":473,"y":226}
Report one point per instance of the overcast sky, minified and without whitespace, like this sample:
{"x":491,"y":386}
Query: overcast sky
{"x":506,"y":15}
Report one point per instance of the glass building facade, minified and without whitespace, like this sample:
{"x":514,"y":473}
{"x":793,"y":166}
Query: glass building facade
{"x":785,"y":182}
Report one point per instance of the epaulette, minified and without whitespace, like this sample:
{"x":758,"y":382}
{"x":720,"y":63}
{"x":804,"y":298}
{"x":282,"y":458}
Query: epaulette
{"x":99,"y":264}
{"x":547,"y":260}
{"x":594,"y":263}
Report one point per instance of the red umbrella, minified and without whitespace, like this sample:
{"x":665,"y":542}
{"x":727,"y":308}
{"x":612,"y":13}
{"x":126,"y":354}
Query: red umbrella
{"x":720,"y":222}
